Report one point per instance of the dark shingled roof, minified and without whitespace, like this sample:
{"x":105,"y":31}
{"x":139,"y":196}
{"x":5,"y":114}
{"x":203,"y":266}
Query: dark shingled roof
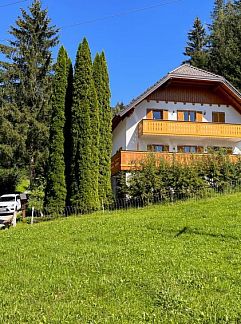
{"x":184,"y":71}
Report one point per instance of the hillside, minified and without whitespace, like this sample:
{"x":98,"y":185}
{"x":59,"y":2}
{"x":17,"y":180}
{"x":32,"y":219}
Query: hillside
{"x":162,"y":264}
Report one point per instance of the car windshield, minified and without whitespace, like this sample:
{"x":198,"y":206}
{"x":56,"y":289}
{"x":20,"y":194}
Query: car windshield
{"x":9,"y":198}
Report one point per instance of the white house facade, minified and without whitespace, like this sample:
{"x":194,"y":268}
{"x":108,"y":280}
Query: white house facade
{"x":187,"y":112}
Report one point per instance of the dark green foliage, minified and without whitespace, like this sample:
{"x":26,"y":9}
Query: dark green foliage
{"x":101,"y":79}
{"x":196,"y":46}
{"x":225,"y":43}
{"x":218,"y":7}
{"x":67,"y":129}
{"x":118,"y":108}
{"x":147,"y":182}
{"x":55,"y":193}
{"x":85,"y":138}
{"x":26,"y":83}
{"x":222,"y":54}
{"x":214,"y":172}
{"x":8,"y":180}
{"x":12,"y":136}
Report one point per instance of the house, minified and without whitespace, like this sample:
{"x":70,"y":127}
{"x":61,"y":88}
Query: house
{"x":183,"y":115}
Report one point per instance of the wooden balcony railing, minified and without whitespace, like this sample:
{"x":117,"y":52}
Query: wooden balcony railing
{"x":130,"y":160}
{"x":194,"y":129}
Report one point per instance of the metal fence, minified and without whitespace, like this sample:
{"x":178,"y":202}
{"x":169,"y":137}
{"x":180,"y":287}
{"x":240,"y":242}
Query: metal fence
{"x":123,"y":204}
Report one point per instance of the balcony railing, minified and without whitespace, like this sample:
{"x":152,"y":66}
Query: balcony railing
{"x":131,"y":160}
{"x":194,"y":129}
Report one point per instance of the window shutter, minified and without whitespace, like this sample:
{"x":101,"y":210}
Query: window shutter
{"x":180,"y":115}
{"x":166,"y":148}
{"x":222,"y":117}
{"x":150,"y":148}
{"x":229,"y":150}
{"x":165,"y":115}
{"x":200,"y":149}
{"x":218,"y":117}
{"x":199,"y":116}
{"x":180,"y":149}
{"x":149,"y":114}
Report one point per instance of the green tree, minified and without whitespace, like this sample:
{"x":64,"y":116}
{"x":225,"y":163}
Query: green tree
{"x":55,"y":193}
{"x":218,"y":8}
{"x":68,"y":129}
{"x":101,"y":79}
{"x":225,"y":43}
{"x":85,"y":129}
{"x":12,"y":139}
{"x":26,"y":78}
{"x":118,"y":108}
{"x":196,"y":46}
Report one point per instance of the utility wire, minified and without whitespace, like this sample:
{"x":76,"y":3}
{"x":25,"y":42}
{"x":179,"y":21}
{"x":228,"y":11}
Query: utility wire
{"x":120,"y":14}
{"x":12,"y":3}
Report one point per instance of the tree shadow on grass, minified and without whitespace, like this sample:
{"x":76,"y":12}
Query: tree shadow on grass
{"x":188,"y":230}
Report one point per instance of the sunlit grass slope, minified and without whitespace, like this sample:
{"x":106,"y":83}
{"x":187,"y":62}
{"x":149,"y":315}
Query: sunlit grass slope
{"x":177,"y":263}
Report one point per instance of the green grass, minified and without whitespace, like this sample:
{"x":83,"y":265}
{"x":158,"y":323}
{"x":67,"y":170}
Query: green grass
{"x":177,"y":263}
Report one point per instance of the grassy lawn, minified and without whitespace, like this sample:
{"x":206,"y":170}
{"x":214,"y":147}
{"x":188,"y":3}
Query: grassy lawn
{"x":161,"y":264}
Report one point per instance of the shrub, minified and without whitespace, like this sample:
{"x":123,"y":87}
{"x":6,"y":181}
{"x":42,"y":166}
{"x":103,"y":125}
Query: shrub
{"x":160,"y":177}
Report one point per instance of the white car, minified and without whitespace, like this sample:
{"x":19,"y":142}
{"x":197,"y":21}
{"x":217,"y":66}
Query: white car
{"x":9,"y":203}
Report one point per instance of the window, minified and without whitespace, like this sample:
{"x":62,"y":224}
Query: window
{"x":7,"y":198}
{"x":158,"y":114}
{"x":190,"y":116}
{"x":157,"y":148}
{"x":218,"y":117}
{"x":190,"y":149}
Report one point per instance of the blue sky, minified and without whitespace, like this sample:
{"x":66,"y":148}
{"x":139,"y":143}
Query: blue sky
{"x":140,"y":47}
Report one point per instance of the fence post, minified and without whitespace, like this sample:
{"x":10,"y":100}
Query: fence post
{"x":32,"y":216}
{"x":103,"y":207}
{"x":14,"y":222}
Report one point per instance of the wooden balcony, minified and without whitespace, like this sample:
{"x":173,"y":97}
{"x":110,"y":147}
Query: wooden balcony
{"x":130,"y":160}
{"x":192,"y":129}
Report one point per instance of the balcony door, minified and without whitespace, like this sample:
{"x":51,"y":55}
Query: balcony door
{"x":189,"y":115}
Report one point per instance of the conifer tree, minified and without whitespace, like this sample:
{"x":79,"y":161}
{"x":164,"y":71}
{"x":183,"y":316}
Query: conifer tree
{"x":67,"y":128}
{"x":196,"y":46}
{"x":26,"y":76}
{"x":55,"y":193}
{"x":101,"y":79}
{"x":218,"y":8}
{"x":85,"y":128}
{"x":225,"y":43}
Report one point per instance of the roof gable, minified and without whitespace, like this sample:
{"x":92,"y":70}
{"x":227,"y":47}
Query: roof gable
{"x":186,"y":72}
{"x":191,"y":71}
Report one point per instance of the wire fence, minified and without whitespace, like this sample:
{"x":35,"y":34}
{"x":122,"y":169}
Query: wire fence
{"x":126,"y":203}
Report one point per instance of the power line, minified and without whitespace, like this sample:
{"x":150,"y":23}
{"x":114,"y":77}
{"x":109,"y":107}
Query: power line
{"x":123,"y":13}
{"x":116,"y":15}
{"x":12,"y":3}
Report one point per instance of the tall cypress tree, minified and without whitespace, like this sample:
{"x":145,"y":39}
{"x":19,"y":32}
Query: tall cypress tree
{"x":55,"y":193}
{"x":84,"y":173}
{"x":196,"y":46}
{"x":67,"y":128}
{"x":101,"y":79}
